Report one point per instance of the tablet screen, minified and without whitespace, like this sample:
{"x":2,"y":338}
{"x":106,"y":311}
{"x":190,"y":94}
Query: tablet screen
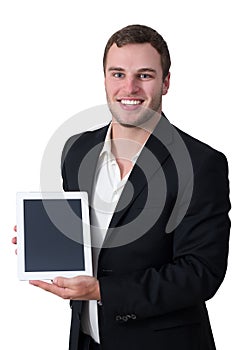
{"x":46,"y":247}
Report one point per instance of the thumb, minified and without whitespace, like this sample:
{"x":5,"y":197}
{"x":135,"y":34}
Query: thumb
{"x":60,"y":282}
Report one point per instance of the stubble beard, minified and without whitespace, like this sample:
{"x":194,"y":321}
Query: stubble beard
{"x":136,"y":118}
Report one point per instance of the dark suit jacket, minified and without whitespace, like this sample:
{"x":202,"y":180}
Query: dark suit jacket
{"x":154,"y":277}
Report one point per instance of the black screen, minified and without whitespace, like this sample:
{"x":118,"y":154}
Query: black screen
{"x":47,"y":248}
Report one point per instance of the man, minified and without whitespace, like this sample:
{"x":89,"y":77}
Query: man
{"x":159,"y":213}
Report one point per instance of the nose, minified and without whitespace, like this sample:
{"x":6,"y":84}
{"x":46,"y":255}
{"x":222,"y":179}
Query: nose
{"x":131,"y":85}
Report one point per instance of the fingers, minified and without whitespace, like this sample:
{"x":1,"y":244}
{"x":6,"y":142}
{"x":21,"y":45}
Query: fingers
{"x":14,"y":240}
{"x":52,"y":288}
{"x":49,"y":287}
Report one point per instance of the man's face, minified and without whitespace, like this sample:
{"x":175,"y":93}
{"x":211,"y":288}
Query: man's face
{"x":134,"y":83}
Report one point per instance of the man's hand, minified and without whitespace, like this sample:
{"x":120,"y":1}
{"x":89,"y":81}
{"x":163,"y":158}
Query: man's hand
{"x":14,"y":239}
{"x":75,"y":288}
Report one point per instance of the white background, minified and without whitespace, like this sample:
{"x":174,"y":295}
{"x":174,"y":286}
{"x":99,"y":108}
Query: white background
{"x":51,"y":69}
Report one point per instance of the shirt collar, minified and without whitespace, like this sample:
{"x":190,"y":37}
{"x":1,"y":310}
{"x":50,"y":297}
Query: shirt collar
{"x":107,"y":143}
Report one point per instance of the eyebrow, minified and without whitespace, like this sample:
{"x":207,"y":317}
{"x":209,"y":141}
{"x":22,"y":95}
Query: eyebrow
{"x":115,"y":68}
{"x":147,"y":70}
{"x":120,"y":69}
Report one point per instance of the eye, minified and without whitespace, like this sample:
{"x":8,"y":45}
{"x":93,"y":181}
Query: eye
{"x":144,"y":76}
{"x":118,"y":75}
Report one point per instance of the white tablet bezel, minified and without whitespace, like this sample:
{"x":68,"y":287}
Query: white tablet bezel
{"x":45,"y":275}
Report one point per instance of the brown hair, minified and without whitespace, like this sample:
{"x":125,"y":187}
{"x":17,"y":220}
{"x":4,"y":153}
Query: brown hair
{"x":138,"y":34}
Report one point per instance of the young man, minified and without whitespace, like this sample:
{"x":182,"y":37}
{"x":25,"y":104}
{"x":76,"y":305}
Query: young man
{"x":159,"y":213}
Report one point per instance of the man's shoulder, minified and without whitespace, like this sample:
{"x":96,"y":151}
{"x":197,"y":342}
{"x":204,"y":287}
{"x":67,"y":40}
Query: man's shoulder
{"x":82,"y":142}
{"x":83,"y":139}
{"x":198,"y":148}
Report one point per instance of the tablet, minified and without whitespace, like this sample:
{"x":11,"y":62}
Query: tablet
{"x":53,"y":235}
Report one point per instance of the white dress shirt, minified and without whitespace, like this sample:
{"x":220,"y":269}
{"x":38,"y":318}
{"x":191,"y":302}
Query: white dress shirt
{"x":108,"y":187}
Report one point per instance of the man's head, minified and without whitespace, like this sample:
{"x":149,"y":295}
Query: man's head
{"x":139,"y":34}
{"x":136,"y":67}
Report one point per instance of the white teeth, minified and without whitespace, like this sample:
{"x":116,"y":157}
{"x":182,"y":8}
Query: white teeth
{"x":130,"y":102}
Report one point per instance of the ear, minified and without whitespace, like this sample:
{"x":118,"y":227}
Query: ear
{"x":166,"y":84}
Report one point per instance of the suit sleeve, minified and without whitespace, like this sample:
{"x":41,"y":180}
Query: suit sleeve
{"x":200,"y":252}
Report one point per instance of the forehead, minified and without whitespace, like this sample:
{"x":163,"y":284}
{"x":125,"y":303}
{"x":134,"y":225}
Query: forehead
{"x":135,"y":56}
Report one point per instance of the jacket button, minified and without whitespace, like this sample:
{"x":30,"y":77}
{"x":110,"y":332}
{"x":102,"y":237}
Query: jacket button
{"x":118,"y":318}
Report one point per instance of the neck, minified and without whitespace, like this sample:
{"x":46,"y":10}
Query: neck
{"x":127,"y":141}
{"x":138,"y":134}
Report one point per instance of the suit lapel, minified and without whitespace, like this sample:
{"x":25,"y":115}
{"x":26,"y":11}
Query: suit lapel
{"x":152,"y":158}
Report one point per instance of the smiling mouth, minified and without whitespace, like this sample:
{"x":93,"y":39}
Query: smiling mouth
{"x":130,"y":102}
